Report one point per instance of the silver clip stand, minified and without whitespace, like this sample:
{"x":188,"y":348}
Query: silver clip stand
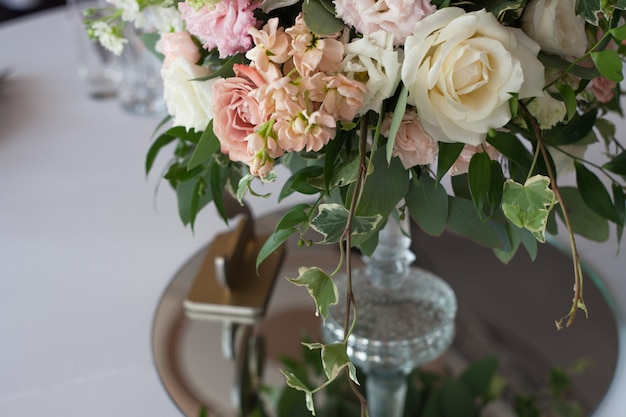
{"x":229,"y":289}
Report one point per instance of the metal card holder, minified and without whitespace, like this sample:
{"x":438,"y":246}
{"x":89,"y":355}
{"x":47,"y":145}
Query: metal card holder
{"x":228,"y":288}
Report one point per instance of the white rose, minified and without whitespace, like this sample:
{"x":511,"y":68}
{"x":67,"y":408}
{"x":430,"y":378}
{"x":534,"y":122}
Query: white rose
{"x":556,"y":27}
{"x":461,"y":70}
{"x":373,"y":61}
{"x":189,"y":102}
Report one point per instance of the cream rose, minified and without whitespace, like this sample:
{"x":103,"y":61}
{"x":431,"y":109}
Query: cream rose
{"x":461,"y":70}
{"x":373,"y":60}
{"x":189,"y":102}
{"x":554,"y":25}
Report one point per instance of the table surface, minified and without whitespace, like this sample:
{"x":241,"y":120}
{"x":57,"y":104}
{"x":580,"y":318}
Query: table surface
{"x":87,"y":246}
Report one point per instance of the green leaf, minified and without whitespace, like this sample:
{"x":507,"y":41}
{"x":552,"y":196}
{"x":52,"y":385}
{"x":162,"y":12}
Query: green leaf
{"x":428,"y":205}
{"x":191,"y":198}
{"x":215,"y":181}
{"x":332,"y":219}
{"x":585,"y":221}
{"x":448,"y":154}
{"x":272,"y":243}
{"x":617,"y":164}
{"x":321,"y":287}
{"x":384,"y":188}
{"x":495,"y":189}
{"x":295,"y":383}
{"x":620,"y":208}
{"x":609,"y":64}
{"x":529,"y":205}
{"x":225,"y":69}
{"x":479,"y":177}
{"x":619,"y":33}
{"x":588,"y":10}
{"x":206,"y":147}
{"x":319,"y":19}
{"x":295,"y":216}
{"x":553,"y":61}
{"x":346,"y":173}
{"x":574,"y":131}
{"x":398,"y":114}
{"x":462,"y":219}
{"x":456,"y":400}
{"x":300,"y":182}
{"x":569,"y":98}
{"x":594,"y":193}
{"x":334,"y":359}
{"x":478,"y":375}
{"x":155,"y":148}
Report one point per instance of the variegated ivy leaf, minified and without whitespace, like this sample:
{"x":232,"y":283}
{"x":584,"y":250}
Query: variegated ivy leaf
{"x":334,"y":359}
{"x":588,"y":10}
{"x":321,"y":287}
{"x":295,"y":383}
{"x":529,"y":205}
{"x":332,"y":219}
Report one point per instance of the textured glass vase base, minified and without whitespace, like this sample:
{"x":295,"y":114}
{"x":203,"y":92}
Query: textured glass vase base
{"x":397,"y":328}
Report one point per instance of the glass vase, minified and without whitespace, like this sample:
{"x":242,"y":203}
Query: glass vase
{"x":405,"y":318}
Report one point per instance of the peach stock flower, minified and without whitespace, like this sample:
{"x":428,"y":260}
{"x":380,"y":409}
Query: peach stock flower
{"x":271,"y":45}
{"x":305,"y":131}
{"x":338,"y":95}
{"x":312,"y":53}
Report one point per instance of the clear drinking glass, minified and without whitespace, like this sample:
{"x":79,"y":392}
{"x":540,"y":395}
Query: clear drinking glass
{"x":99,"y":69}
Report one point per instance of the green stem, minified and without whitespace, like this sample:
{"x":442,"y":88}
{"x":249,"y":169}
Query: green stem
{"x":578,"y":277}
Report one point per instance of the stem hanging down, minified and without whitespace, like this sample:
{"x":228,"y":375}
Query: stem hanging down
{"x":577,"y":301}
{"x":347,"y":236}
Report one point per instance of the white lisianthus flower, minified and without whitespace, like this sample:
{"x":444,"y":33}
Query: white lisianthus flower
{"x":461,"y":69}
{"x":164,"y":19}
{"x":547,"y":110}
{"x":554,"y":25}
{"x":188,"y":101}
{"x":107,"y":37}
{"x":373,"y":61}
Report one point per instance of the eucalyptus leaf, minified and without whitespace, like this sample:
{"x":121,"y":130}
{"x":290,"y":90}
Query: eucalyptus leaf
{"x":620,"y":208}
{"x":155,"y":148}
{"x":320,"y":286}
{"x":594,"y":193}
{"x":300,"y":182}
{"x":569,"y":98}
{"x":293,"y":217}
{"x":319,"y":19}
{"x":575,"y":131}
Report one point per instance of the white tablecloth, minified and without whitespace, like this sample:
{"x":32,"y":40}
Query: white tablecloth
{"x":86,"y":249}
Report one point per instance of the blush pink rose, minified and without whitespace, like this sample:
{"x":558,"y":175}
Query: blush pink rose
{"x":397,"y":17}
{"x":178,"y":45}
{"x":412,"y":145}
{"x":236,"y":112}
{"x":224,"y":27}
{"x":461,"y":165}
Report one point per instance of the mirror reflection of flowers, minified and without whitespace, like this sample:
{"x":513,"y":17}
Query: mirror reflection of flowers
{"x":372,"y":103}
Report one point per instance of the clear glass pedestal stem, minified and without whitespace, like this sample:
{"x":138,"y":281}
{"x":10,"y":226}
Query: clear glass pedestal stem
{"x":405,"y":318}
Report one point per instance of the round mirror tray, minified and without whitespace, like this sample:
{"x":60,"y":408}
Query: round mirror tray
{"x":504,"y":310}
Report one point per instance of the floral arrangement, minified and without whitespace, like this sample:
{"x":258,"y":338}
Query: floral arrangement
{"x":372,"y":104}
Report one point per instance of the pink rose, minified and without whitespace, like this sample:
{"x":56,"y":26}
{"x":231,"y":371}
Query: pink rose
{"x":397,"y":17}
{"x":224,"y":27}
{"x":178,"y":45}
{"x":412,"y":145}
{"x":236,"y":111}
{"x":462,"y":163}
{"x":603,"y":89}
